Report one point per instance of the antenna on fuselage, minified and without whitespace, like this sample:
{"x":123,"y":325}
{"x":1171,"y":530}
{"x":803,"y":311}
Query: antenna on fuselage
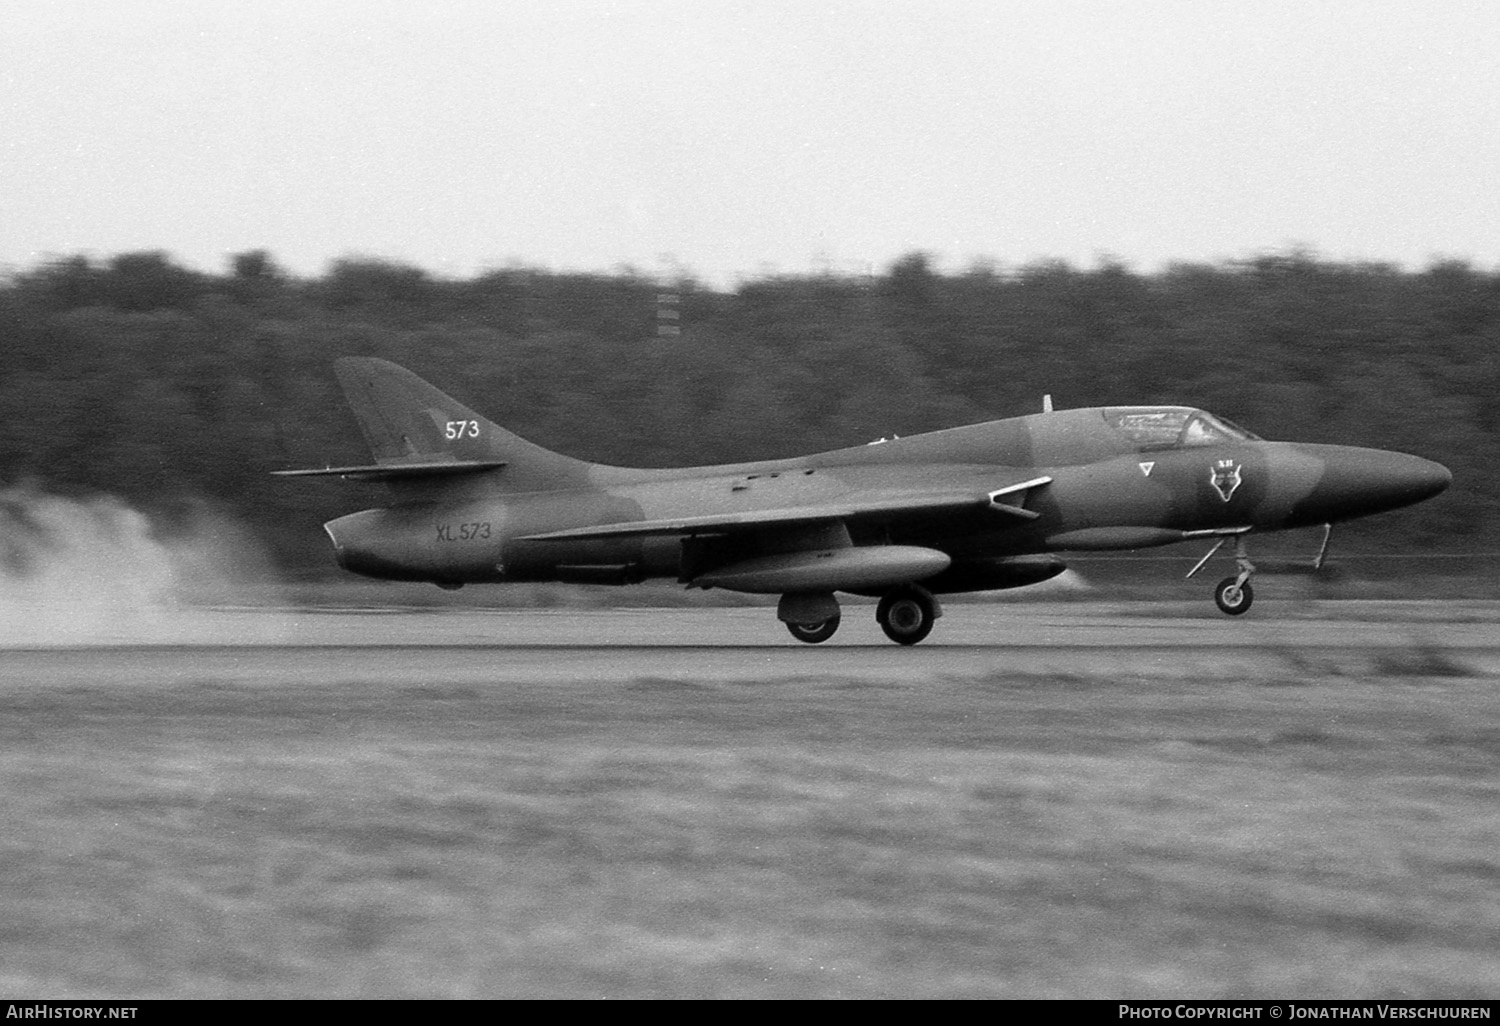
{"x":1047,"y":403}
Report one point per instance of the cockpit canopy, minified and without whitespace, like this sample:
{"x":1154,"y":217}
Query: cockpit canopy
{"x":1174,"y":427}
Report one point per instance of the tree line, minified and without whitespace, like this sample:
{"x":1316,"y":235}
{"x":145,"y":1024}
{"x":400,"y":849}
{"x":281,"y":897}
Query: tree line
{"x":173,"y":388}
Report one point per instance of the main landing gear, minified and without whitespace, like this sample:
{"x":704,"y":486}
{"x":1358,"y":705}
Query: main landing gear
{"x":1233,"y":595}
{"x":905,"y":613}
{"x":813,"y":633}
{"x":811,"y":616}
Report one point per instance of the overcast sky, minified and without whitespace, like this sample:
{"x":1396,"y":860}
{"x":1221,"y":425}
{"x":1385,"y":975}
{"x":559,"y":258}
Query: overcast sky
{"x":734,"y":138}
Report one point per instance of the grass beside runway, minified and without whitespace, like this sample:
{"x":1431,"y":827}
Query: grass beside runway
{"x":1294,"y":834}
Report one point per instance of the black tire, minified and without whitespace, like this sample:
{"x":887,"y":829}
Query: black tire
{"x":814,"y":633}
{"x":1233,"y":599}
{"x":906,"y":615}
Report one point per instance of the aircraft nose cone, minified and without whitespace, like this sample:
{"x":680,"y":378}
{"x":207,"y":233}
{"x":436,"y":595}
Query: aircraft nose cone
{"x":1407,"y":479}
{"x":1358,"y":482}
{"x":1433,"y":478}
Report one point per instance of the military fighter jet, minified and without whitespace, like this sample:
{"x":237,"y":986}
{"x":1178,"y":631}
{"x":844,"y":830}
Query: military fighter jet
{"x":972,"y":508}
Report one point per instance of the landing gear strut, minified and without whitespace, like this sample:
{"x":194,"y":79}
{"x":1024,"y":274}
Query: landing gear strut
{"x":906,"y":614}
{"x":1233,"y":595}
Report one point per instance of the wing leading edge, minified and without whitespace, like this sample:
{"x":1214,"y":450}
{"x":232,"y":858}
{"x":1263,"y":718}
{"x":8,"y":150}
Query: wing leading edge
{"x":868,"y":507}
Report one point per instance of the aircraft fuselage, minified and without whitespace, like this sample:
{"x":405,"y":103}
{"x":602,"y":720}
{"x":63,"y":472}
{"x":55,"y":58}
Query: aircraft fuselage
{"x":973,"y":508}
{"x":1102,"y":494}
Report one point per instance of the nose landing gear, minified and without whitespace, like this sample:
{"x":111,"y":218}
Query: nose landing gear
{"x":1233,"y":595}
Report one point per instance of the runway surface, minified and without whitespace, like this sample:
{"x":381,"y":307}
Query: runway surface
{"x":1166,"y":640}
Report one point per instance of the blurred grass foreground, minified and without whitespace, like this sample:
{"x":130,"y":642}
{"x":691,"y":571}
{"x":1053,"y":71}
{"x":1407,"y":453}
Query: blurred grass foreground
{"x":251,"y":832}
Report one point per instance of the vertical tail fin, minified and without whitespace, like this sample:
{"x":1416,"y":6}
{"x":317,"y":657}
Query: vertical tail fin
{"x":407,"y":421}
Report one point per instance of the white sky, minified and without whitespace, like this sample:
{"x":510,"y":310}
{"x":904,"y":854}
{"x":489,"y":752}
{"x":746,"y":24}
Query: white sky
{"x":733,"y":138}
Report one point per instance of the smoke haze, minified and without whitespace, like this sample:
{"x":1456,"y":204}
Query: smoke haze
{"x":90,"y":571}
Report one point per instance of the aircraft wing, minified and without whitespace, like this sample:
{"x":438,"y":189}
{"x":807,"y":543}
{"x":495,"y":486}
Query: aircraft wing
{"x":859,"y":506}
{"x":398,"y":471}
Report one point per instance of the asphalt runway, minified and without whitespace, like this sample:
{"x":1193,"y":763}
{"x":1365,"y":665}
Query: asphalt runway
{"x":1166,"y":640}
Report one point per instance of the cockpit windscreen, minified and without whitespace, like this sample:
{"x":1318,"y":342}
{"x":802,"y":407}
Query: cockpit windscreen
{"x":1172,"y":427}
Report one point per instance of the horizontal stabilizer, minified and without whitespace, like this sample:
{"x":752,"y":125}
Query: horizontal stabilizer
{"x":399,"y":471}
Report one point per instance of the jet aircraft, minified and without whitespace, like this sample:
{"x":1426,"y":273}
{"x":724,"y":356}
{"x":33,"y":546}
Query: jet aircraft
{"x":975,"y":508}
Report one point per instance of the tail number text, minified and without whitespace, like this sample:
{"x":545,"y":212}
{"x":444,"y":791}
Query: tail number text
{"x":463,"y":532}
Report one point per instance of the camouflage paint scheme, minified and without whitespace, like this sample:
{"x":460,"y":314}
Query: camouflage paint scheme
{"x":970,"y":508}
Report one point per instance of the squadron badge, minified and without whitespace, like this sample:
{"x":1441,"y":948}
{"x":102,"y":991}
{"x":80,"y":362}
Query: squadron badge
{"x":1226,"y":478}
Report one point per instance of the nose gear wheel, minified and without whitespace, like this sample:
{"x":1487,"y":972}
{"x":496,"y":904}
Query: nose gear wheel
{"x":1232,"y":597}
